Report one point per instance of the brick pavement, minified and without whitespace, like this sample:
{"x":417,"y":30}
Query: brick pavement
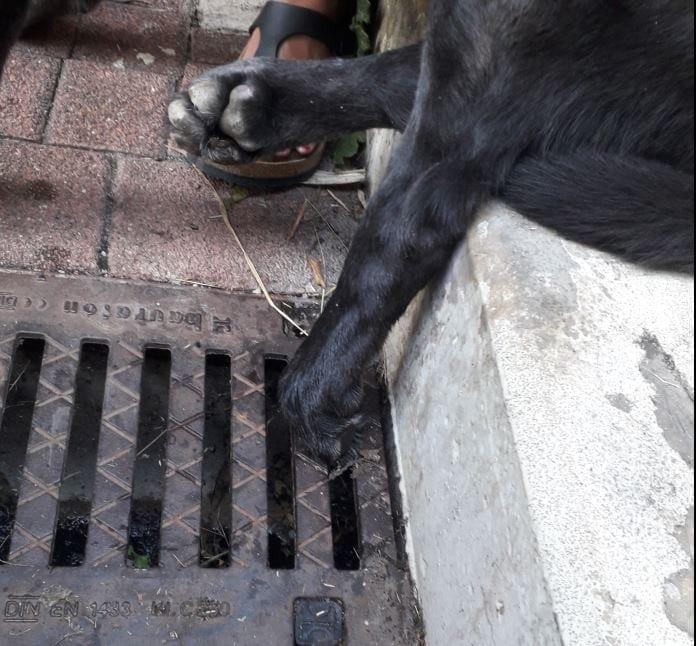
{"x":87,"y":184}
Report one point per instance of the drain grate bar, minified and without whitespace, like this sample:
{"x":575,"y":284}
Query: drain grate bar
{"x":216,"y":482}
{"x":80,"y":464}
{"x":22,"y":385}
{"x":150,"y":460}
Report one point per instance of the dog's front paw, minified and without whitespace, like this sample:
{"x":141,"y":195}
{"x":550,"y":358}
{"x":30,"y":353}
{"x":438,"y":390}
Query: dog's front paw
{"x":226,"y":114}
{"x":325,"y":412}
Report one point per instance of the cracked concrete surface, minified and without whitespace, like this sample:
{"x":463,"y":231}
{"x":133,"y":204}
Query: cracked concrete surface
{"x":679,"y":587}
{"x":673,"y":398}
{"x":566,"y":475}
{"x":542,"y":398}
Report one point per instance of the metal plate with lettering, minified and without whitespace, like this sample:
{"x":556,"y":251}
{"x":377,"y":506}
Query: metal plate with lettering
{"x":150,"y":491}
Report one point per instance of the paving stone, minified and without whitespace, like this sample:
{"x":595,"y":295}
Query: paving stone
{"x":51,"y":206}
{"x":26,"y":91}
{"x":100,"y":107}
{"x":232,"y":16}
{"x":216,"y":47}
{"x":51,"y":39}
{"x":192,"y":71}
{"x":134,"y":37}
{"x":183,"y":7}
{"x":166,"y":227}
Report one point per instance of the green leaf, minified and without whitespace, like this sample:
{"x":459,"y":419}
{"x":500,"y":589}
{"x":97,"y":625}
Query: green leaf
{"x":362,"y":11}
{"x":140,"y":561}
{"x":346,"y":148}
{"x":358,"y":26}
{"x":238,"y":194}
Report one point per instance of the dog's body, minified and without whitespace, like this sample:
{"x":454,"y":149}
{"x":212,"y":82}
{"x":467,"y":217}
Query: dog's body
{"x":578,"y":114}
{"x":18,"y":15}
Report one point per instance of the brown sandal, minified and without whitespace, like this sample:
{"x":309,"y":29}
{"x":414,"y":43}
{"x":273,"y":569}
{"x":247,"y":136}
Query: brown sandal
{"x":277,"y":22}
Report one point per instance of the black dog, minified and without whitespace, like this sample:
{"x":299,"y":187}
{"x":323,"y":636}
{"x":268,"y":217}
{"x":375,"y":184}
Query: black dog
{"x":578,"y":114}
{"x":17,"y":15}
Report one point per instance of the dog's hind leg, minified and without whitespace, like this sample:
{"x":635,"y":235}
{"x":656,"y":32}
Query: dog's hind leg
{"x":45,"y":10}
{"x":12,"y":16}
{"x":411,"y":228}
{"x":438,"y":178}
{"x":639,"y":209}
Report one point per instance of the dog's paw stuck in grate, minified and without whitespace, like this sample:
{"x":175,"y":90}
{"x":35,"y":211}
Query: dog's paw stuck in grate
{"x":150,"y":489}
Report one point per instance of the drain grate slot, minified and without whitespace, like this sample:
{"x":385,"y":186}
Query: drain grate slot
{"x":142,"y":440}
{"x":345,"y":522}
{"x":280,"y":477}
{"x":15,"y":426}
{"x":150,"y":459}
{"x":216,"y":483}
{"x":80,"y":464}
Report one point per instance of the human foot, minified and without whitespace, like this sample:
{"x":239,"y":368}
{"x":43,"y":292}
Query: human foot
{"x":231,"y":127}
{"x":298,"y":47}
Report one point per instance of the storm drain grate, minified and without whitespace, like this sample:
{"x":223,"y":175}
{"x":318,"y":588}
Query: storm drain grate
{"x":149,"y":487}
{"x":76,"y":486}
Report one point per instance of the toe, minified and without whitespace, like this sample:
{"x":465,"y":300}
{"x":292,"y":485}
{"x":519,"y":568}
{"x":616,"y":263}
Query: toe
{"x":225,"y":151}
{"x":208,"y":98}
{"x":237,"y":117}
{"x":190,"y":131}
{"x":306,"y":149}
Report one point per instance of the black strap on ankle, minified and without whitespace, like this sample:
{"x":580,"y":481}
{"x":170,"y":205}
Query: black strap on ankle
{"x":279,"y":21}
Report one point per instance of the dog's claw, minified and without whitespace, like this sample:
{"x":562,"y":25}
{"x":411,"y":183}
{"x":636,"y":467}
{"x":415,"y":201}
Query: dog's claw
{"x":325,"y":416}
{"x":346,"y":462}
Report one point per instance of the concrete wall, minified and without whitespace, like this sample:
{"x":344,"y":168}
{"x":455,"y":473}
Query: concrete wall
{"x":471,"y":541}
{"x":543,"y":402}
{"x":228,"y":15}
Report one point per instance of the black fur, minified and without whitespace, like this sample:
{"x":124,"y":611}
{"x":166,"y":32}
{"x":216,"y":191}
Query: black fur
{"x":12,"y":18}
{"x":579,"y":114}
{"x":17,"y":15}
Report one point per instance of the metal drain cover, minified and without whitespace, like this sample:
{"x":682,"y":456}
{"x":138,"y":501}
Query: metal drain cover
{"x":150,"y":491}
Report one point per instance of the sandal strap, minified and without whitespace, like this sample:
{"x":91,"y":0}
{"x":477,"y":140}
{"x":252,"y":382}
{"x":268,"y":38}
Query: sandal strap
{"x":279,"y":21}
